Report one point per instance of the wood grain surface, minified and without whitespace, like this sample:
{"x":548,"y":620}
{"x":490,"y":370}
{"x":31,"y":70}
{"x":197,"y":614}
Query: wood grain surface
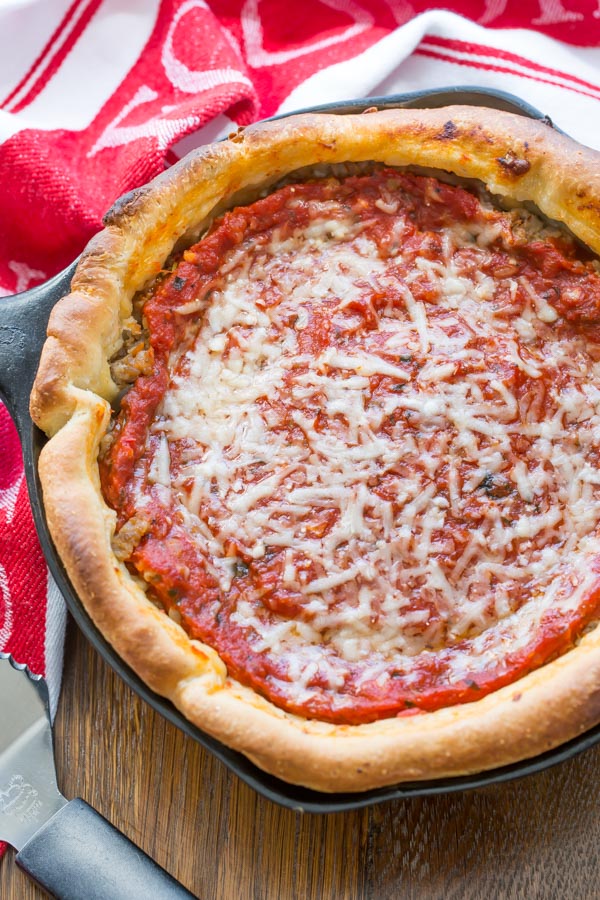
{"x":534,"y":838}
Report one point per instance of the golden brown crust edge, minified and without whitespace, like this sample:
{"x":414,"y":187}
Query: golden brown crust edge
{"x":515,"y":157}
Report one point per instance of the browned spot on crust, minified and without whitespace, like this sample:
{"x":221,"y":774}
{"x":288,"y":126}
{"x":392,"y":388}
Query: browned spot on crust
{"x":448,"y":132}
{"x":237,"y":136}
{"x":371,"y":109}
{"x":514,"y":164}
{"x":594,"y":207}
{"x":124,"y":206}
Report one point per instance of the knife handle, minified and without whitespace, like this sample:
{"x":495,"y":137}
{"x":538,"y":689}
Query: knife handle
{"x":79,"y":855}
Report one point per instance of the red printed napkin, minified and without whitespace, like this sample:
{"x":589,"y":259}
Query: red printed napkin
{"x":98,"y":96}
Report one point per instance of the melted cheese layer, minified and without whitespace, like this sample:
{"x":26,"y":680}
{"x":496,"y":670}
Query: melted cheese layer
{"x":389,"y":434}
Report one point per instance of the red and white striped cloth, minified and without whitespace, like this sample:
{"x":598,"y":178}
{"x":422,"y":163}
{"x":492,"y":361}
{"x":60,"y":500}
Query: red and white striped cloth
{"x":97,"y":96}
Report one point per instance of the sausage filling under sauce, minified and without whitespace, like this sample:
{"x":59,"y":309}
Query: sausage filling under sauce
{"x":365,"y":464}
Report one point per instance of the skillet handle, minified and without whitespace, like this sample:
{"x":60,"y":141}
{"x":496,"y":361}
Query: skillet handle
{"x":78,"y":853}
{"x":23,"y":321}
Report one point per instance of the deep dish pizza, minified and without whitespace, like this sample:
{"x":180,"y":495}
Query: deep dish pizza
{"x":344,"y":509}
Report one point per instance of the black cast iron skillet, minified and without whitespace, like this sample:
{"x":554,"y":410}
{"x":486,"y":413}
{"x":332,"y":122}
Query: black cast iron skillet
{"x":23,"y":320}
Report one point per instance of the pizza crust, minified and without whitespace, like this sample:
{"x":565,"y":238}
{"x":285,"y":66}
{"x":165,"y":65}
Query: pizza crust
{"x":520,"y":160}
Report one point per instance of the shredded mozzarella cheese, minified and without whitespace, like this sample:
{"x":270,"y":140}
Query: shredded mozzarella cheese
{"x":416,"y":478}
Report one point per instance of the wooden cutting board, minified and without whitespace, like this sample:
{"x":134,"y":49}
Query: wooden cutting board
{"x":535,"y":838}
